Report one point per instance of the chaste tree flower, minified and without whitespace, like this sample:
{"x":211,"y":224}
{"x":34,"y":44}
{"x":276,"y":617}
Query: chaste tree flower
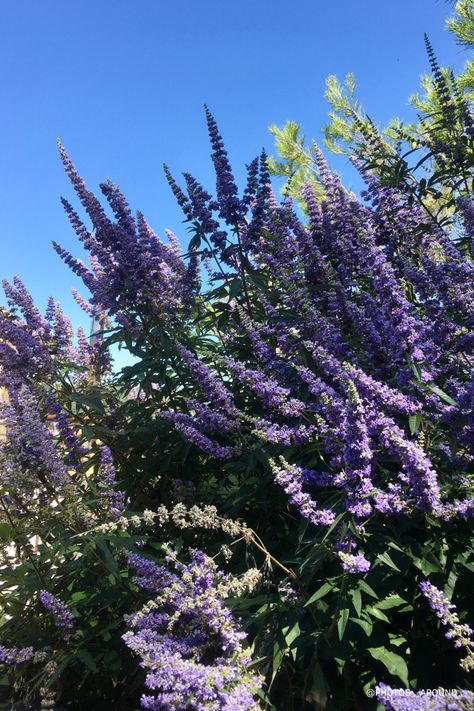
{"x":461,"y":634}
{"x":187,"y":639}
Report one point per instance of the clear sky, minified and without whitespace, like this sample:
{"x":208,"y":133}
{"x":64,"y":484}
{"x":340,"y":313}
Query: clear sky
{"x":122,"y":82}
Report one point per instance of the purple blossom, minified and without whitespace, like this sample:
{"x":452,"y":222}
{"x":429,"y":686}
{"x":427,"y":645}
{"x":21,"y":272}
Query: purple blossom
{"x":289,"y":477}
{"x":272,"y":394}
{"x":114,"y":500}
{"x":29,"y":457}
{"x":188,"y":427}
{"x":354,"y":564}
{"x":132,"y":270}
{"x":211,"y":385}
{"x":366,"y":331}
{"x":187,"y":639}
{"x":231,"y":208}
{"x":461,"y":634}
{"x":424,"y":700}
{"x":15,"y":655}
{"x":283,"y":434}
{"x":358,"y":456}
{"x":62,"y":616}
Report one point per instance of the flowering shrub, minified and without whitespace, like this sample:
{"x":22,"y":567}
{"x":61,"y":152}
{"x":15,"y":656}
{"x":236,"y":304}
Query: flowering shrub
{"x":185,"y":624}
{"x":304,"y":415}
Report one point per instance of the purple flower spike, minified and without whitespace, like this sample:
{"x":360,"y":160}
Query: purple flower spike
{"x":63,"y":617}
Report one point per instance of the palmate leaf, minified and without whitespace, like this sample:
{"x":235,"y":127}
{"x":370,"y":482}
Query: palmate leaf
{"x":342,"y":619}
{"x":393,"y":662}
{"x":356,"y":600}
{"x":279,"y":650}
{"x":378,"y":614}
{"x":365,"y":623}
{"x":309,"y":622}
{"x":392,"y":601}
{"x":321,"y":592}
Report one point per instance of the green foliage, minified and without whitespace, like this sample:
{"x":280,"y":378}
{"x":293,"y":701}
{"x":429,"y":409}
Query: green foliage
{"x":461,"y":23}
{"x":431,"y":158}
{"x":319,"y":636}
{"x":325,"y":649}
{"x":349,"y":125}
{"x":297,"y":160}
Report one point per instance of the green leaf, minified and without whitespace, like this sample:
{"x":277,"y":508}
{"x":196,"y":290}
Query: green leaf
{"x":442,"y":395}
{"x":428,"y":564}
{"x":78,"y":596}
{"x":396,"y":640}
{"x":108,"y":558}
{"x":93,"y":402}
{"x":291,"y":632}
{"x":357,"y":600}
{"x":389,"y":602}
{"x":416,"y":371}
{"x":279,"y":648}
{"x":385,"y":558}
{"x":468,"y":565}
{"x":331,"y":528}
{"x":367,"y":625}
{"x":414,"y":422}
{"x":87,"y":659}
{"x":342,"y":621}
{"x":323,"y":590}
{"x":6,"y":531}
{"x":316,"y":691}
{"x":395,"y":664}
{"x":367,"y":589}
{"x":378,"y":614}
{"x":194,"y":243}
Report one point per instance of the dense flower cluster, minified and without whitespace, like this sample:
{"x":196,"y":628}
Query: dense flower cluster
{"x":187,"y":639}
{"x":15,"y":655}
{"x":132,"y":272}
{"x":362,"y":340}
{"x":113,"y":499}
{"x":318,"y":392}
{"x":433,"y":700}
{"x":33,"y":470}
{"x":385,"y":317}
{"x":354,"y":563}
{"x":62,"y":616}
{"x":33,"y":346}
{"x":461,"y":634}
{"x":290,"y":479}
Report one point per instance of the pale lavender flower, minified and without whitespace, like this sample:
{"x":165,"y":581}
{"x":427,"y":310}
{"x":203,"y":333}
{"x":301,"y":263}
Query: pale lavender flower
{"x":424,"y":700}
{"x":354,"y":563}
{"x":188,"y":642}
{"x":115,"y":500}
{"x":445,"y":611}
{"x":289,"y":477}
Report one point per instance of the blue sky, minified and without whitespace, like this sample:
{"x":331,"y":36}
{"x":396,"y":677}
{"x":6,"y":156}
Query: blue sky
{"x":122,"y":82}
